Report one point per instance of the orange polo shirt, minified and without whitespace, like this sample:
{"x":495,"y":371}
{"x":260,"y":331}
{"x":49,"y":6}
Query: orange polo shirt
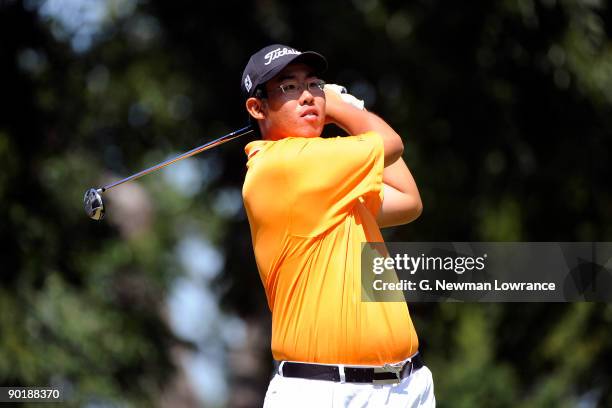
{"x":311,"y":203}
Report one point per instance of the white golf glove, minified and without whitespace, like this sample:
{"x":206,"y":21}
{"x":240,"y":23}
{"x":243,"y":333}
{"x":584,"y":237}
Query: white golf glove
{"x":346,"y":97}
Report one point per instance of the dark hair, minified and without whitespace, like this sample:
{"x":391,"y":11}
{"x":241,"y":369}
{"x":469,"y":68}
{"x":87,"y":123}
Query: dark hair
{"x":260,"y":92}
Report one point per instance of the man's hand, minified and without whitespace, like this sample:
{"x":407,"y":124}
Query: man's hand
{"x":345,"y":96}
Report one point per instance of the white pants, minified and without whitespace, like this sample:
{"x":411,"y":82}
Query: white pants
{"x":416,"y":390}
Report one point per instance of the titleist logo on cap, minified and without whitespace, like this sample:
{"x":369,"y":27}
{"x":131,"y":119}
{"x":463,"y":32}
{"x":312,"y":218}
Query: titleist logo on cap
{"x":279,"y":52}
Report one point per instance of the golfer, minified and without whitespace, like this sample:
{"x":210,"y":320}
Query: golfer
{"x":311,"y":203}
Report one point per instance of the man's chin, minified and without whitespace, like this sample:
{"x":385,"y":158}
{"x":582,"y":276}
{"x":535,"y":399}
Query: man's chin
{"x":311,"y":130}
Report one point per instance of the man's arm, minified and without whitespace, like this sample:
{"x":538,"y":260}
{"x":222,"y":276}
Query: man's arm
{"x":402,"y":201}
{"x":355,"y":121}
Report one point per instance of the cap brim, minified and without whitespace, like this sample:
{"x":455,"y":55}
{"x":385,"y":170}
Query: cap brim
{"x":310,"y":58}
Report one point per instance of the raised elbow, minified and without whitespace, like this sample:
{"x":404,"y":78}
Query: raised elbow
{"x":418,"y":209}
{"x":412,"y":210}
{"x":399,"y":209}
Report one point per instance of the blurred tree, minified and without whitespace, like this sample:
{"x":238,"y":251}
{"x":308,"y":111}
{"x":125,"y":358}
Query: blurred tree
{"x":79,"y":307}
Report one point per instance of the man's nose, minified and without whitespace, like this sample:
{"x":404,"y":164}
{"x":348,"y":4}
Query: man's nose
{"x":306,"y":97}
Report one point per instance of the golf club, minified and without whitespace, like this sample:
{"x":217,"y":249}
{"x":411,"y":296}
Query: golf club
{"x":93,"y":203}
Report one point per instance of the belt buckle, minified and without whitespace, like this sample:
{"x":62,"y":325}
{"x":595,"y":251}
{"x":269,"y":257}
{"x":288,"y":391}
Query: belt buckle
{"x":389,"y":368}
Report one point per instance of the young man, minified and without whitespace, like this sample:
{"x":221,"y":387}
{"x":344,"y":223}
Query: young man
{"x":311,"y":203}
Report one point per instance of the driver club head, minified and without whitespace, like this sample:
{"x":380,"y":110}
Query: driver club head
{"x":94,"y":206}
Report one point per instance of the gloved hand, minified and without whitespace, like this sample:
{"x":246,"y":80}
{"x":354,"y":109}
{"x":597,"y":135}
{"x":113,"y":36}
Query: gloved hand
{"x":346,"y":97}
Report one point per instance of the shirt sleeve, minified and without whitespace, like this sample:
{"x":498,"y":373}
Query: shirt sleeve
{"x":328,"y":177}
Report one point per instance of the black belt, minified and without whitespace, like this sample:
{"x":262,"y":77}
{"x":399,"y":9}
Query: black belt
{"x":387,"y":374}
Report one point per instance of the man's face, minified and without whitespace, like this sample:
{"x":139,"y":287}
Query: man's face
{"x":293,"y":114}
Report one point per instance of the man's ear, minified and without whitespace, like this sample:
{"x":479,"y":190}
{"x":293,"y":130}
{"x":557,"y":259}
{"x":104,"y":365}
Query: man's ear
{"x":255,"y":108}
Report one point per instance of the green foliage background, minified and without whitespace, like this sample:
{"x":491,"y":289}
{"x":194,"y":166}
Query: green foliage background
{"x":505,"y":108}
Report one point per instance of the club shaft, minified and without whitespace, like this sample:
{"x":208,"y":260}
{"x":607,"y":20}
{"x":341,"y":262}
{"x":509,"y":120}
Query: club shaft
{"x":223,"y":139}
